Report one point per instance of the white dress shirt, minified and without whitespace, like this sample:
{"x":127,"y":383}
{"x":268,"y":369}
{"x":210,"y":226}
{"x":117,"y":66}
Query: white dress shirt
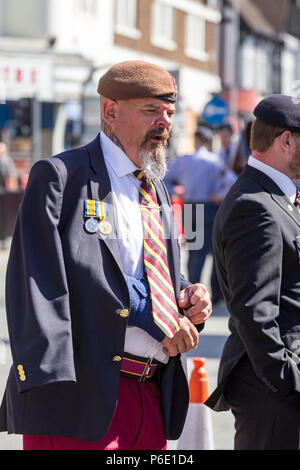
{"x":283,"y":181}
{"x":129,"y":226}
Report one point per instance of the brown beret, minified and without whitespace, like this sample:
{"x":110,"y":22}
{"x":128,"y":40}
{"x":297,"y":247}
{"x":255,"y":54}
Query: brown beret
{"x":137,"y":79}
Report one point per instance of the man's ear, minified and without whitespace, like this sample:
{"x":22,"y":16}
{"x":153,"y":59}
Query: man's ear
{"x":109,"y":110}
{"x":286,"y":140}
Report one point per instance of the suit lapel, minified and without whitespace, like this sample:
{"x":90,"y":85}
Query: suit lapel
{"x":287,"y":206}
{"x":101,"y":190}
{"x":275,"y":192}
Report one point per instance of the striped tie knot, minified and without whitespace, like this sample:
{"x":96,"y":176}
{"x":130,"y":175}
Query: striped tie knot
{"x":147,"y":190}
{"x":139,"y":174}
{"x":297,"y":199}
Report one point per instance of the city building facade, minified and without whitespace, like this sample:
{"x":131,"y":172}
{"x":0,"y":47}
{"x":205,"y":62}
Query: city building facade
{"x":52,"y":54}
{"x":258,"y":51}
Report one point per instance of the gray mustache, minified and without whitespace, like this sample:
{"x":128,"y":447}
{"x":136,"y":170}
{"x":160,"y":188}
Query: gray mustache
{"x":155,"y":132}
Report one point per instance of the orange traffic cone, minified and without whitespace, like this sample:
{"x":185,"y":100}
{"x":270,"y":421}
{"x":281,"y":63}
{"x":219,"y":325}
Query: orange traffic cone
{"x":198,"y":382}
{"x":197,"y":432}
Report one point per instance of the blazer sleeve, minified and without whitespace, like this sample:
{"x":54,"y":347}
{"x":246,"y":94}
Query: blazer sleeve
{"x":251,"y":245}
{"x":37,"y":298}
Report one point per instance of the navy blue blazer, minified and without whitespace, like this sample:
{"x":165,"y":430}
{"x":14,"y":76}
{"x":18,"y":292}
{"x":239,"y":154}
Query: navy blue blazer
{"x":257,"y":261}
{"x":64,"y":292}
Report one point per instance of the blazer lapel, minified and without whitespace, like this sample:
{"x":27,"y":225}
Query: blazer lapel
{"x":288,"y":207}
{"x":275,"y":192}
{"x":101,"y":190}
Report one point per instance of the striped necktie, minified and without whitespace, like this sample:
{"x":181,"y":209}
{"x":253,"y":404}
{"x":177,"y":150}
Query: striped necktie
{"x":297,"y":199}
{"x":164,"y":306}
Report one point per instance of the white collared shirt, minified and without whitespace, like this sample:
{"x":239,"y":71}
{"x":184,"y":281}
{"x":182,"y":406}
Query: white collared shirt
{"x":283,"y":181}
{"x":129,"y":227}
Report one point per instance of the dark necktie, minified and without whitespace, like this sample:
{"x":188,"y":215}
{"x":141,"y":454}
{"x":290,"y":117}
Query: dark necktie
{"x":164,"y":306}
{"x":297,"y":199}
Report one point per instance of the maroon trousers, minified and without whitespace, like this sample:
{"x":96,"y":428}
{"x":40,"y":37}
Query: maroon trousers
{"x":136,"y":425}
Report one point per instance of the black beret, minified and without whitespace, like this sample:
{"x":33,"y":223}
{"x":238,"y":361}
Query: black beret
{"x":279,"y":111}
{"x":137,"y":79}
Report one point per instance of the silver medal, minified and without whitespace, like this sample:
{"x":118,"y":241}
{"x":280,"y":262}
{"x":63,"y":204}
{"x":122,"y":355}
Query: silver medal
{"x":91,"y":225}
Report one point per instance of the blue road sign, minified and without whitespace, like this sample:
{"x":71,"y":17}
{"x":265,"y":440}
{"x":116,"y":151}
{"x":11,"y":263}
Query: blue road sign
{"x":215,"y":111}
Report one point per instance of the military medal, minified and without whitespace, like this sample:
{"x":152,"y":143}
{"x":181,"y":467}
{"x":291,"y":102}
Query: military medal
{"x":91,"y":225}
{"x":105,"y":227}
{"x":94,"y":210}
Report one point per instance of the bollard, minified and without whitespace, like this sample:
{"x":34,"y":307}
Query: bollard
{"x":197,"y":432}
{"x":198,"y":385}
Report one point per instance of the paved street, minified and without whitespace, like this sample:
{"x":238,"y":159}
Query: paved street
{"x":210,"y":347}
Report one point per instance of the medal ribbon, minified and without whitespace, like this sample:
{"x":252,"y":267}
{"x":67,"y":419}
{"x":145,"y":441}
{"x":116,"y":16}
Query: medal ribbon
{"x":95,"y":209}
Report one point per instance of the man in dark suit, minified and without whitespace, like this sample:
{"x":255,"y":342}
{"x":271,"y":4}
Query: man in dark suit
{"x":257,"y":249}
{"x":96,"y":334}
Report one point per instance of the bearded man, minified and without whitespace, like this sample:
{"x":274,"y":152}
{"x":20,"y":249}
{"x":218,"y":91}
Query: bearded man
{"x":97,"y":326}
{"x":257,"y":250}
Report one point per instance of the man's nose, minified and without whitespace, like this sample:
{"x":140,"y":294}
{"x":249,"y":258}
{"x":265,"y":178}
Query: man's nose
{"x":164,"y":120}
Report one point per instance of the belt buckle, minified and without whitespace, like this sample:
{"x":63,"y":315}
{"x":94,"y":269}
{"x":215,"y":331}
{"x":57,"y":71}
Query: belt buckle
{"x":146,"y":370}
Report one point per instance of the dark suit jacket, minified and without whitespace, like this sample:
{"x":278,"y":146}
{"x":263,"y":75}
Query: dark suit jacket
{"x":258,"y":268}
{"x":64,"y":292}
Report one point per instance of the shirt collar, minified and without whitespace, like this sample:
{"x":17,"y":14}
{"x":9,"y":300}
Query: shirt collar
{"x":283,"y":181}
{"x":115,"y":157}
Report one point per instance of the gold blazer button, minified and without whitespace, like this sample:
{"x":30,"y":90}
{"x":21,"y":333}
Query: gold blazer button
{"x":117,"y":359}
{"x":124,"y":313}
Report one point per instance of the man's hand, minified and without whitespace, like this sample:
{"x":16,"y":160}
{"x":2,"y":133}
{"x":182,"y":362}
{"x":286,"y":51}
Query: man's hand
{"x":195,"y":300}
{"x":185,"y":339}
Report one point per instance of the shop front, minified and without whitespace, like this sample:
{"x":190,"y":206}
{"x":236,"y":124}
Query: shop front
{"x":40,"y":96}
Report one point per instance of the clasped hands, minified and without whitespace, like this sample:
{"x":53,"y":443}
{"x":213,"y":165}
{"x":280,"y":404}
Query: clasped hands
{"x":195,"y":300}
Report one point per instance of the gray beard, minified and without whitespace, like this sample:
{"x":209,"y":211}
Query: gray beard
{"x":154,"y":162}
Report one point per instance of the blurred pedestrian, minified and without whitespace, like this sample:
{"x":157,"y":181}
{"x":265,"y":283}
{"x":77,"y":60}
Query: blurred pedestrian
{"x":204,"y":179}
{"x":257,"y":248}
{"x":96,"y":327}
{"x":228,"y":148}
{"x":243,"y":152}
{"x":8,"y":181}
{"x":8,"y":172}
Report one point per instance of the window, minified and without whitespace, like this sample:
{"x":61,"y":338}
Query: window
{"x":195,"y":37}
{"x":255,"y":69}
{"x":248,"y":64}
{"x":163,"y":26}
{"x":262,"y":68}
{"x":126,"y":18}
{"x":87,"y":6}
{"x":288,"y":71}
